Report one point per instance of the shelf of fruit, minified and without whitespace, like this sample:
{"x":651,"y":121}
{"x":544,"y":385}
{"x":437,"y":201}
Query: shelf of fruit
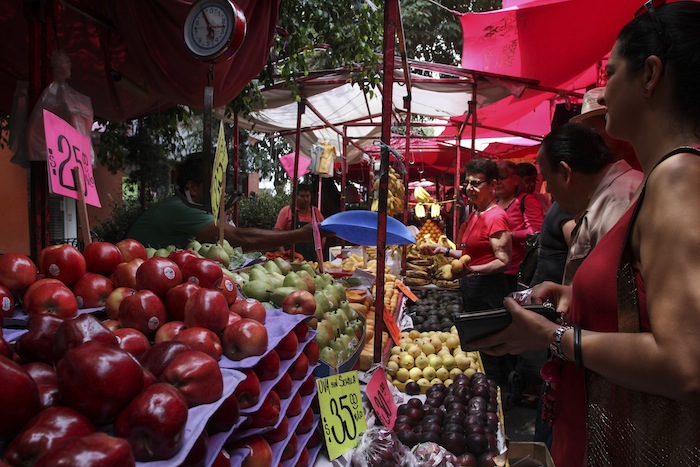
{"x":235,"y":378}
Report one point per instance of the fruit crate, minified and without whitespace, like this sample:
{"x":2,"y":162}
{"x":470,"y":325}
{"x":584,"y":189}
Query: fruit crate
{"x":424,"y":388}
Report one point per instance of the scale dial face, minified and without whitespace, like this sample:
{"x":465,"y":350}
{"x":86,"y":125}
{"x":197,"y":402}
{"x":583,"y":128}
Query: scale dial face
{"x":210,"y":27}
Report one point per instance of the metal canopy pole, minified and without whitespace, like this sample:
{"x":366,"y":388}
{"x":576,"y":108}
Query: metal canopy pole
{"x":390,"y":15}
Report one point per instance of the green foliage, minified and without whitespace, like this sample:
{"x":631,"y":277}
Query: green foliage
{"x":261,"y":210}
{"x":124,"y":214}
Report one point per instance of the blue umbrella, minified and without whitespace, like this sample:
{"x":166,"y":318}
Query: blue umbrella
{"x":360,"y":227}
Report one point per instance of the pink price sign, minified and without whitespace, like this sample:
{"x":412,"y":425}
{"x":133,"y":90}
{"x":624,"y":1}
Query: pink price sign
{"x":66,"y":148}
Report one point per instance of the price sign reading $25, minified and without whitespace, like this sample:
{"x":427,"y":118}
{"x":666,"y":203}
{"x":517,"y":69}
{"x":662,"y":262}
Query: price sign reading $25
{"x":66,"y":148}
{"x":342,"y":415}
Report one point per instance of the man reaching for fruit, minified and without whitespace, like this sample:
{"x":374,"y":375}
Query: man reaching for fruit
{"x":180,"y":218}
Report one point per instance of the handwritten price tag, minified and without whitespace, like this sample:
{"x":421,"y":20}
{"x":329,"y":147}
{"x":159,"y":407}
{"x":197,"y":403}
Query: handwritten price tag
{"x":342,"y":415}
{"x":380,"y":398}
{"x":66,"y":148}
{"x":218,"y":175}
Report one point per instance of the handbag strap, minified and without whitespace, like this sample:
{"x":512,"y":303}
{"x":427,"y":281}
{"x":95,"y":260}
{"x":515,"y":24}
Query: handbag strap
{"x":627,"y":296}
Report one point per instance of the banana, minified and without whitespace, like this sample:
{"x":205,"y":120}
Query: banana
{"x":375,"y":205}
{"x":434,"y":210}
{"x":420,"y":211}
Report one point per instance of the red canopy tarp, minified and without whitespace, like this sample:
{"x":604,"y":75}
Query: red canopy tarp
{"x":129,"y":56}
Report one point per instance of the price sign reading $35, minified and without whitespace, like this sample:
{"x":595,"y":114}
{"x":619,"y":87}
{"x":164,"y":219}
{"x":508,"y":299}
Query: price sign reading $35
{"x":342,"y":415}
{"x":66,"y":148}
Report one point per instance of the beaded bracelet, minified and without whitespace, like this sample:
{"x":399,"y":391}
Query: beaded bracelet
{"x":555,"y":344}
{"x":578,"y":351}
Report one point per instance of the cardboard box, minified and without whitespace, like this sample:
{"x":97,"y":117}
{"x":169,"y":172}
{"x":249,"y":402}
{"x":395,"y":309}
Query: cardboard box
{"x":529,"y":454}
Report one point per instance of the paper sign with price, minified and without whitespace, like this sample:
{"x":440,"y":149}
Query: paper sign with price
{"x":66,"y":148}
{"x":218,"y":174}
{"x":342,"y":415}
{"x":380,"y":398}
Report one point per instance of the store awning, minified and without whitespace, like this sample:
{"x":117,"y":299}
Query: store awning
{"x":129,"y":56}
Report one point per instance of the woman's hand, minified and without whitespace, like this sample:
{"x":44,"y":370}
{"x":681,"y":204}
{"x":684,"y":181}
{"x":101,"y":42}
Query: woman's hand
{"x":528,"y":331}
{"x":558,"y":294}
{"x":431,"y":249}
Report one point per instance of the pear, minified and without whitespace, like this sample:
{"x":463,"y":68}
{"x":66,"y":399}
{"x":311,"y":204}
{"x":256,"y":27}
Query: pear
{"x":161,"y":252}
{"x":329,"y":356}
{"x":258,"y":274}
{"x":171,"y":248}
{"x":279,"y":294}
{"x":340,"y":288}
{"x":275,"y":279}
{"x":204,"y":249}
{"x":258,"y":289}
{"x":283,"y":265}
{"x":332,"y":298}
{"x":323,"y":337}
{"x":307,"y":267}
{"x":322,"y":304}
{"x":308,"y":280}
{"x":293,"y":280}
{"x":194,"y":245}
{"x":337,"y":320}
{"x":269,"y":305}
{"x":218,"y":254}
{"x":318,"y":281}
{"x":150,"y":252}
{"x":227,"y":247}
{"x":270,"y":266}
{"x":327,"y":278}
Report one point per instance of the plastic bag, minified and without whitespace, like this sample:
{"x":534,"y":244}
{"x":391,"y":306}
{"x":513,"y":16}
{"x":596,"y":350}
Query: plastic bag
{"x":379,"y":446}
{"x":62,"y":100}
{"x":434,"y":455}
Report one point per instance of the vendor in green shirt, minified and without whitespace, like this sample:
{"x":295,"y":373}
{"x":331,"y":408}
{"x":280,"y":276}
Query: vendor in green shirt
{"x":180,"y":218}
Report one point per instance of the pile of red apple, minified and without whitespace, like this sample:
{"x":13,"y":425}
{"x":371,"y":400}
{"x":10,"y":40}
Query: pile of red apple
{"x":74,"y":386}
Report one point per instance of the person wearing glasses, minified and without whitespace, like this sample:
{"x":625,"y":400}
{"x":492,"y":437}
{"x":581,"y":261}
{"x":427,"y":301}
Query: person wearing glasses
{"x":486,"y":238}
{"x":627,"y":382}
{"x":524,"y":212}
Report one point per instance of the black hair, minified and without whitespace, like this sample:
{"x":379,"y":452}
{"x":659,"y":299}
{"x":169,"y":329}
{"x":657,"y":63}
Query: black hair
{"x":483,"y":166}
{"x":677,"y":46}
{"x":304,"y":187}
{"x":580,"y":146}
{"x":511,"y":166}
{"x":190,"y":169}
{"x":525,"y":169}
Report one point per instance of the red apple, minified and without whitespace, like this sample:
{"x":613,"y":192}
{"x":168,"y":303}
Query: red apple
{"x":225,"y":416}
{"x":37,"y":343}
{"x":288,"y":347}
{"x":143,"y":311}
{"x":283,"y":388}
{"x":44,"y":376}
{"x":196,"y":375}
{"x":79,"y":330}
{"x":131,"y":249}
{"x":306,"y":422}
{"x":299,"y":368}
{"x":308,"y":386}
{"x":168,"y":331}
{"x":198,"y":452}
{"x":154,"y":423}
{"x":158,"y":275}
{"x":206,"y":308}
{"x":39,"y":282}
{"x":111,"y":324}
{"x":133,"y":341}
{"x":244,"y":338}
{"x":294,"y":407}
{"x":64,"y":263}
{"x":98,"y":380}
{"x":248,"y":391}
{"x":315,"y":438}
{"x":204,"y":272}
{"x":232,"y":317}
{"x":95,"y":449}
{"x":250,"y":308}
{"x":312,"y":352}
{"x":278,"y":434}
{"x":180,"y":257}
{"x":52,"y":299}
{"x":19,"y":397}
{"x":299,"y":302}
{"x":125,"y":274}
{"x":222,"y":459}
{"x":159,"y":356}
{"x":260,"y":452}
{"x":114,"y":299}
{"x":102,"y":257}
{"x":302,"y":331}
{"x":303,"y":459}
{"x":229,"y":289}
{"x":5,"y":349}
{"x":269,"y":412}
{"x":291,"y":448}
{"x":202,"y":339}
{"x":45,"y":430}
{"x":177,"y":297}
{"x":17,"y":271}
{"x":268,"y":367}
{"x":92,"y":290}
{"x":7,"y":302}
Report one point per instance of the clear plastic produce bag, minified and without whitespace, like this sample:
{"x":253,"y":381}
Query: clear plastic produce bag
{"x":379,"y":446}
